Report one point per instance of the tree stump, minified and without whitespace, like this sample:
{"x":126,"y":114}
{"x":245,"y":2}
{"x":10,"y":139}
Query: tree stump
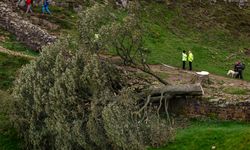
{"x":161,"y":96}
{"x":202,"y":78}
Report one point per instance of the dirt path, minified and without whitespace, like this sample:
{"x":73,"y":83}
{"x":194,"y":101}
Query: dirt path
{"x":184,"y":73}
{"x":219,"y":88}
{"x":174,"y":70}
{"x":178,"y":76}
{"x":13,"y":53}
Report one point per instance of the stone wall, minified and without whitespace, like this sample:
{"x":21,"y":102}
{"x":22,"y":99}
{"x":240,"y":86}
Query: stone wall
{"x":213,"y":108}
{"x":27,"y":33}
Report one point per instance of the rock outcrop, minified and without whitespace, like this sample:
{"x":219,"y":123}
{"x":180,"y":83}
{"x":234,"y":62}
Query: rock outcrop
{"x":29,"y":34}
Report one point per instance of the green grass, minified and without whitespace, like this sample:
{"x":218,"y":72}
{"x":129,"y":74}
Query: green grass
{"x":10,"y":42}
{"x":8,"y":136}
{"x":9,"y":66}
{"x":204,"y":135}
{"x":236,"y":91}
{"x":169,"y":33}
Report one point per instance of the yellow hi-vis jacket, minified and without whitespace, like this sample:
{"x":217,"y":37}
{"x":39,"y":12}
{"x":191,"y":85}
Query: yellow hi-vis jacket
{"x":184,"y":57}
{"x":190,"y":57}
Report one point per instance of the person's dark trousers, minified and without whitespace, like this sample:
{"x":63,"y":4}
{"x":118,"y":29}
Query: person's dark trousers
{"x":183,"y":65}
{"x":240,"y":75}
{"x":190,"y":65}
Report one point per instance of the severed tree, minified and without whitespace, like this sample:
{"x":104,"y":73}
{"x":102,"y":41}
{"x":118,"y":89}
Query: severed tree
{"x":103,"y":28}
{"x":68,"y":97}
{"x":122,"y":34}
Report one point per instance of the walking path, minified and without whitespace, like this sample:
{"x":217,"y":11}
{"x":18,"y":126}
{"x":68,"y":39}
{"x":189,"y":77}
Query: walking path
{"x":13,"y":53}
{"x":220,"y":87}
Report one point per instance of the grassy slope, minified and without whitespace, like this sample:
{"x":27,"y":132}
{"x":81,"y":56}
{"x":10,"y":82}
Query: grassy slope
{"x":9,"y":42}
{"x":9,"y":65}
{"x":8,"y":136}
{"x":8,"y":68}
{"x":170,"y":32}
{"x":204,"y":135}
{"x":64,"y":17}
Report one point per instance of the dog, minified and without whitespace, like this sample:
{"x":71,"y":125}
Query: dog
{"x":232,"y":73}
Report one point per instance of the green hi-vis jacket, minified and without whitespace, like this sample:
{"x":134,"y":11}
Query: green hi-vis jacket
{"x":190,"y":57}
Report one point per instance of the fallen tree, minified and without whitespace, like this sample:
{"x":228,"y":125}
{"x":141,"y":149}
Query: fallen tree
{"x":175,"y":90}
{"x":69,"y":98}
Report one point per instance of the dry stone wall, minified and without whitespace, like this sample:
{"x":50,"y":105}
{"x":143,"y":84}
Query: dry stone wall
{"x":26,"y":32}
{"x":213,"y":108}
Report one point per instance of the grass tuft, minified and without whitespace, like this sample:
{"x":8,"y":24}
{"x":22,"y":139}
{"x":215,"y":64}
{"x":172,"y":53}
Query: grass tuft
{"x":236,"y":90}
{"x":9,"y":41}
{"x":9,"y":66}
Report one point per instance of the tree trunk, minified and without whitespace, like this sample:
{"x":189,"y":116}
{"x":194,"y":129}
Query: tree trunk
{"x":160,"y":96}
{"x":171,"y":91}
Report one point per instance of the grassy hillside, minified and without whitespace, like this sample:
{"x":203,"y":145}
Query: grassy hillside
{"x":205,"y":135}
{"x":218,"y":35}
{"x":8,"y":68}
{"x":216,"y":45}
{"x":8,"y":136}
{"x":9,"y":65}
{"x":9,"y":41}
